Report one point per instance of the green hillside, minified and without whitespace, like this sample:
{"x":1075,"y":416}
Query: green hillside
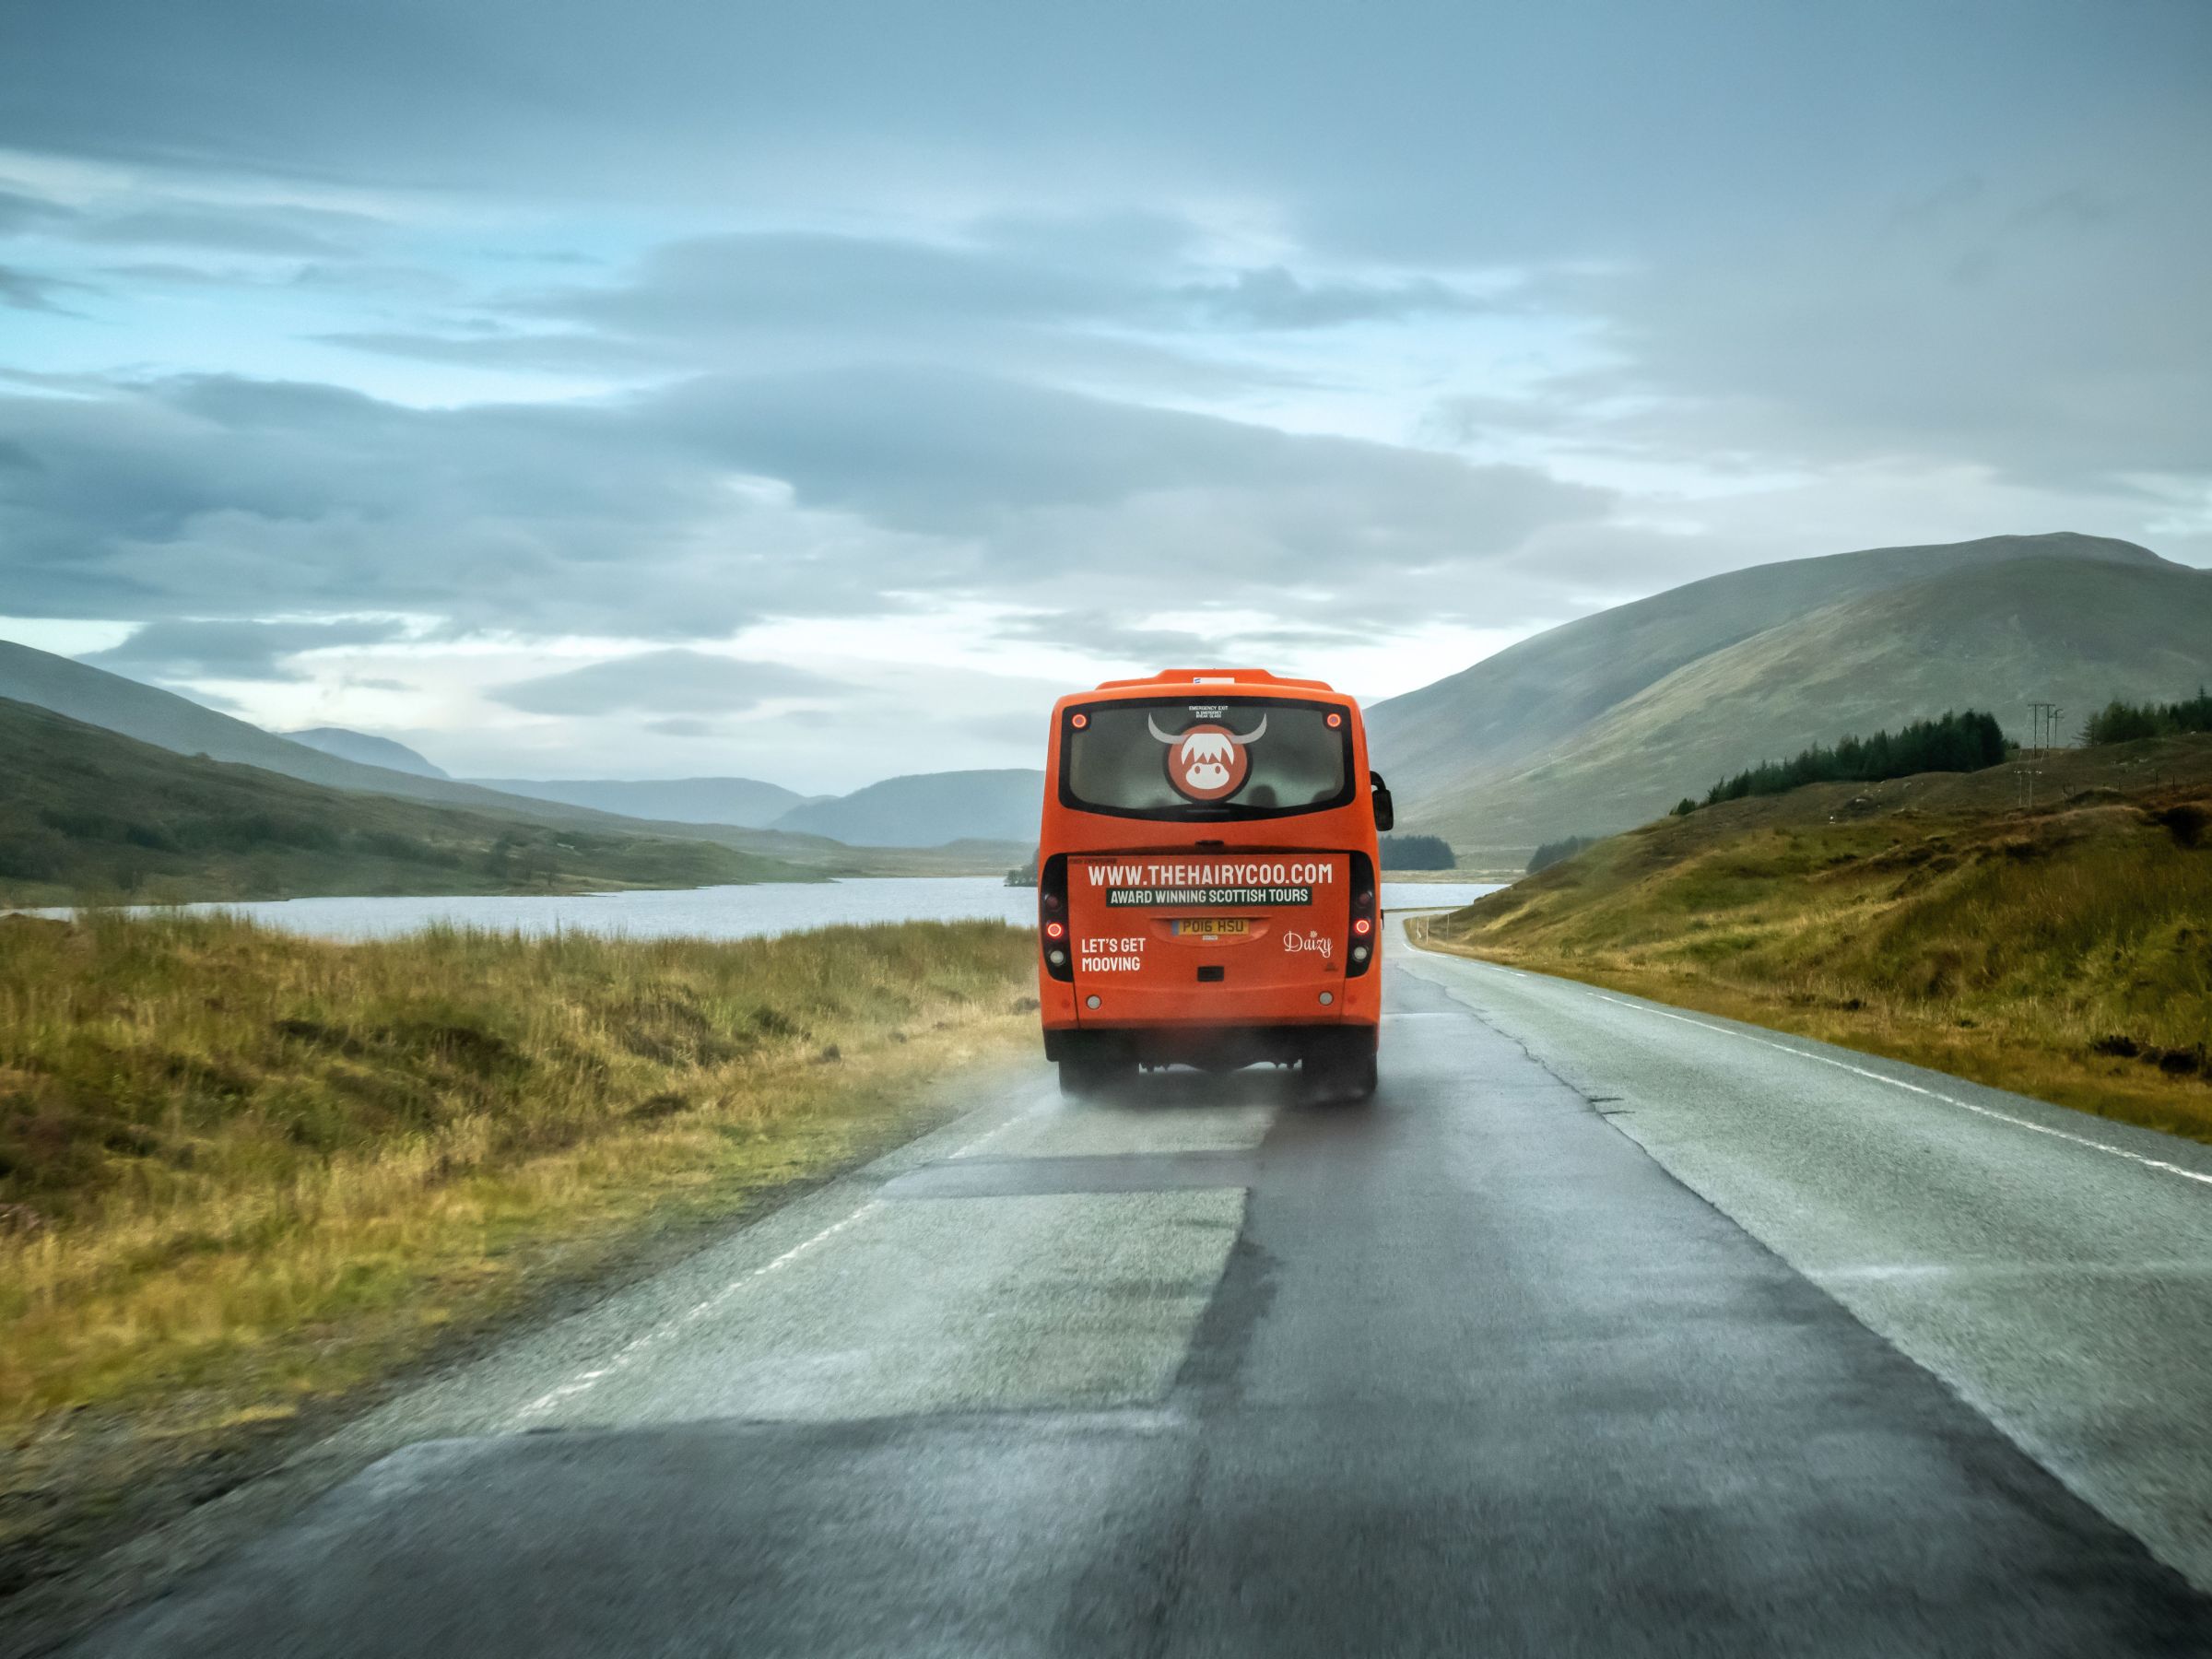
{"x":87,"y":814}
{"x":1608,"y":721}
{"x":2056,"y":948}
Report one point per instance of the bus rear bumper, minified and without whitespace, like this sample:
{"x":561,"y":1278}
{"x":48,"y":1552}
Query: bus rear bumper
{"x":1211,"y":1048}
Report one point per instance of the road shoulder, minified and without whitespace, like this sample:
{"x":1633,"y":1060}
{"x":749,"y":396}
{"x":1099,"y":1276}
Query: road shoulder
{"x":2053,"y":1269}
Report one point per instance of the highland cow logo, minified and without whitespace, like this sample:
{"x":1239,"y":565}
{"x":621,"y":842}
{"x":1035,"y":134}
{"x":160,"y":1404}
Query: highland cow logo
{"x":1208,"y":762}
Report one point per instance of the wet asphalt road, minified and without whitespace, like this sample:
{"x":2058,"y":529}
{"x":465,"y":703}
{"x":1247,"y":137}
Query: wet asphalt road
{"x":1468,"y":1370}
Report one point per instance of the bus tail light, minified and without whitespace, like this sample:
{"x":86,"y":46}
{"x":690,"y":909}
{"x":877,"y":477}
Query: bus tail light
{"x":1367,"y":914}
{"x":1052,"y":916}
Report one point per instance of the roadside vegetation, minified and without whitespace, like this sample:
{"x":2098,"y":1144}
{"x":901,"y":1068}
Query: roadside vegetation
{"x":2063,"y":950}
{"x":242,"y":1175}
{"x":87,"y":814}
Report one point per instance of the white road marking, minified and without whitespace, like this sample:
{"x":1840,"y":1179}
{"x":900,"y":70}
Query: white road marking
{"x":988,"y":1135}
{"x":1976,"y":1273}
{"x":1988,"y":1112}
{"x":585,"y":1382}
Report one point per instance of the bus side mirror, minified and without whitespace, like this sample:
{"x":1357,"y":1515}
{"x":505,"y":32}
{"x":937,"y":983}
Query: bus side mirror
{"x":1385,"y":814}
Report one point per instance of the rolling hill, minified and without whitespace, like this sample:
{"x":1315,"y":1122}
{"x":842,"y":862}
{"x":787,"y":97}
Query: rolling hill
{"x":972,"y":809}
{"x":747,"y":802}
{"x":1606,"y":720}
{"x":930,"y":809}
{"x":162,"y":718}
{"x":110,"y":701}
{"x":369,"y":750}
{"x":86,"y":813}
{"x":2055,"y":949}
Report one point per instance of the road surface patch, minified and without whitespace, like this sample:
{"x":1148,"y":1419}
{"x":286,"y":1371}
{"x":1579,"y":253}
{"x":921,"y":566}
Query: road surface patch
{"x":1094,"y":1173}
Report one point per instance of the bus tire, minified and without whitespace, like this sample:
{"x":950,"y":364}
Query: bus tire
{"x":1340,"y":1069}
{"x":1087,"y":1076}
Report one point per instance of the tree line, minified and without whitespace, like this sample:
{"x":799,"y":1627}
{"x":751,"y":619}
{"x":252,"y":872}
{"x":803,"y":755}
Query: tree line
{"x":1958,"y":742}
{"x":1555,"y":851}
{"x":1417,"y":852}
{"x":2120,"y":722}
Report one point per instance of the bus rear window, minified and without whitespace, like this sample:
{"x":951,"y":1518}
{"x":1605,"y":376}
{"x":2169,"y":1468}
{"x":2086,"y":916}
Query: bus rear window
{"x":1242,"y":757}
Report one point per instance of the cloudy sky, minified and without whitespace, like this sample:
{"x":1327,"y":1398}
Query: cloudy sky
{"x":811,"y":392}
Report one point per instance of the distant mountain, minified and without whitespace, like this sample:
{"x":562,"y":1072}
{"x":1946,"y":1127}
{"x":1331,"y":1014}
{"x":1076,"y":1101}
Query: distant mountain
{"x":86,"y":812}
{"x":1608,"y":720}
{"x":929,"y":809}
{"x":99,"y":698}
{"x":169,"y":721}
{"x":367,"y":749}
{"x":745,"y":801}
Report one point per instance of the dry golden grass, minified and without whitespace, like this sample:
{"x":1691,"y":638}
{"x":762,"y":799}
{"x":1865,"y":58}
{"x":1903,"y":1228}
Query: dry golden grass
{"x":244,"y":1173}
{"x":2065,"y":953}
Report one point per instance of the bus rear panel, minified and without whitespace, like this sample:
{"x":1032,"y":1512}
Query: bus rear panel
{"x":1208,"y":879}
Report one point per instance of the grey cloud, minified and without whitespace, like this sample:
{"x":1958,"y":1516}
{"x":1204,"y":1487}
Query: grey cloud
{"x":281,"y":230}
{"x":1133,"y":238}
{"x":26,"y":291}
{"x":938,"y":452}
{"x":1276,"y":299}
{"x":355,"y":278}
{"x":537,"y":352}
{"x":19,"y":212}
{"x":233,"y":650}
{"x":1549,"y":129}
{"x":1293,"y":638}
{"x":1119,"y":301}
{"x":1100,"y":633}
{"x":877,"y":285}
{"x":2064,"y":345}
{"x":185,"y":496}
{"x":1467,"y":418}
{"x":746,"y":282}
{"x":401,"y":281}
{"x":170,"y":273}
{"x":636,"y":517}
{"x":668,"y":683}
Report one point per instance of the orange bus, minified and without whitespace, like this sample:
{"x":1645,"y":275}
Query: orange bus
{"x":1206,"y":880}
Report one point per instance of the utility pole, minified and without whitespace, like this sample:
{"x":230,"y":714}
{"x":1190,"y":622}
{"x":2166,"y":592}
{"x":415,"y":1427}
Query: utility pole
{"x":2042,"y":736}
{"x":2043,"y":718}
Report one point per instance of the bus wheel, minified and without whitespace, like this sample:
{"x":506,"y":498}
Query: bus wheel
{"x":1092,"y":1074}
{"x":1340,"y":1069}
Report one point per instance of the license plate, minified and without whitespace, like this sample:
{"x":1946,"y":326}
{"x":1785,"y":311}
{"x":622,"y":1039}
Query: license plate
{"x":1213,"y":926}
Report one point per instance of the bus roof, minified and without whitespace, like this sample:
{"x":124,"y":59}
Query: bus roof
{"x":1208,"y":677}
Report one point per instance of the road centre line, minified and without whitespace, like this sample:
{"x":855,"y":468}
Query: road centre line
{"x":1988,"y":1112}
{"x":585,"y":1382}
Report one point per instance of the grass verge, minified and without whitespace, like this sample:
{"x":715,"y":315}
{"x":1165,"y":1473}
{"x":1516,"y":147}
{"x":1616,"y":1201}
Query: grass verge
{"x":2063,"y":953}
{"x":243,"y":1176}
